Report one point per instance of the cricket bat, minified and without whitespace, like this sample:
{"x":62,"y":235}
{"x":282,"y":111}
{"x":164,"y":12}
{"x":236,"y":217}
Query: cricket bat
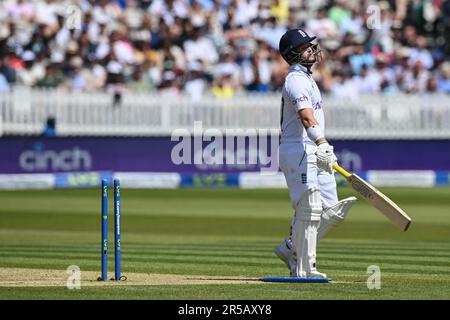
{"x":376,"y":198}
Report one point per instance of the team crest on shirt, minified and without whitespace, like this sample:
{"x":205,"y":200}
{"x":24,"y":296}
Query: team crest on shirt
{"x":304,"y":178}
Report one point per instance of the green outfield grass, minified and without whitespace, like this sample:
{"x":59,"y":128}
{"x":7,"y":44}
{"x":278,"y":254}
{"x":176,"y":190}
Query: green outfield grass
{"x":224,"y":232}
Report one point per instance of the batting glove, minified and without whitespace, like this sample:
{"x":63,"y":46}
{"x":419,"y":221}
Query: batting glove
{"x":325,"y":157}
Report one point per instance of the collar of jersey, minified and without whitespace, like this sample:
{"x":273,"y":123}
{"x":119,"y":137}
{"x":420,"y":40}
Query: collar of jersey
{"x":298,"y":67}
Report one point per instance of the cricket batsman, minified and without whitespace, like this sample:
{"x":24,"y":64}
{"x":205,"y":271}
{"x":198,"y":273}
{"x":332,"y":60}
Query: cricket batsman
{"x":306,"y":158}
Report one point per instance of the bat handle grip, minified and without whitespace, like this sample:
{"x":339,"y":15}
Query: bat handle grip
{"x":341,"y":170}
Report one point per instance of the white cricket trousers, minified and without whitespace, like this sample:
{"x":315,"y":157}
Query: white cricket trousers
{"x":299,"y":165}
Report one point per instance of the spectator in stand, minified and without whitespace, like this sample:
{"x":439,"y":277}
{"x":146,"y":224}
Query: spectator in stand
{"x":50,"y":127}
{"x":431,"y":86}
{"x":199,"y":47}
{"x":279,"y":9}
{"x":368,"y":81}
{"x":196,"y":80}
{"x":169,"y":83}
{"x":322,"y":25}
{"x":54,"y":77}
{"x":24,"y":75}
{"x":360,"y":57}
{"x":20,"y":9}
{"x":443,"y":81}
{"x":4,"y":85}
{"x":114,"y":69}
{"x":6,"y":70}
{"x":345,"y":87}
{"x":415,"y":80}
{"x":420,"y":52}
{"x":223,"y":87}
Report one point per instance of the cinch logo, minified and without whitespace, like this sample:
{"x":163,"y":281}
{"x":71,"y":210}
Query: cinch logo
{"x":39,"y":159}
{"x":301,"y":99}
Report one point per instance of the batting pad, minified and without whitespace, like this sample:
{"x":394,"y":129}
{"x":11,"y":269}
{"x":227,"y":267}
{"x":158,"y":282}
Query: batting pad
{"x":295,"y":279}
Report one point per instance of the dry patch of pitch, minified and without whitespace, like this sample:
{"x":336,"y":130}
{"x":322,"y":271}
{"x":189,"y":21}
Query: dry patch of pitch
{"x":25,"y":277}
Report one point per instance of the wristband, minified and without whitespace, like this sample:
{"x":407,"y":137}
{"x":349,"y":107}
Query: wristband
{"x":315,"y":133}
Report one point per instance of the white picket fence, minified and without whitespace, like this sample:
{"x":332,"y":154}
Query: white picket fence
{"x":24,"y":111}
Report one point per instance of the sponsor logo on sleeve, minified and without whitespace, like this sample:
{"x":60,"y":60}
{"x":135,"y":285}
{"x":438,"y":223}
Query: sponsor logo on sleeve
{"x":318,"y":105}
{"x":300,"y":99}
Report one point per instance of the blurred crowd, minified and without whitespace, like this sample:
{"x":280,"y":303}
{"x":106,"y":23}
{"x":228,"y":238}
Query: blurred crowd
{"x":222,"y":48}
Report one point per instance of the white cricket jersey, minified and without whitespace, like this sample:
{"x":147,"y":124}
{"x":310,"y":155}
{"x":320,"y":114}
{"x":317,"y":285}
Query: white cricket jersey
{"x":299,"y":91}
